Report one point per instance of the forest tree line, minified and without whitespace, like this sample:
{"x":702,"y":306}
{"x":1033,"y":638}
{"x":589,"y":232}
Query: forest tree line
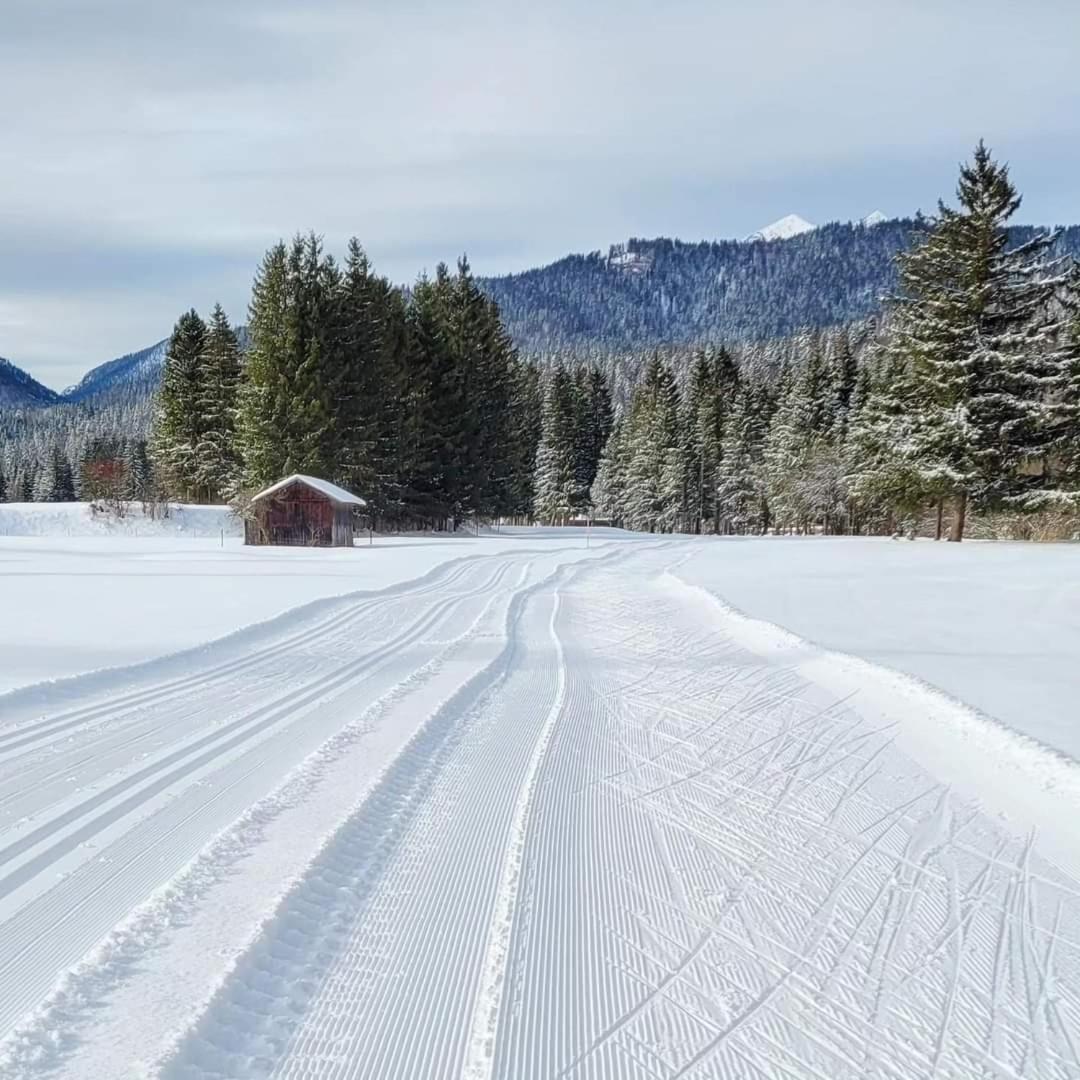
{"x":964,"y":395}
{"x":967,"y":397}
{"x":418,"y":401}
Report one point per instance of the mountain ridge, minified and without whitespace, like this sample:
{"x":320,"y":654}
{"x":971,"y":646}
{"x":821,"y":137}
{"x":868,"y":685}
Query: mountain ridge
{"x":19,"y":389}
{"x":642,"y":294}
{"x":649,"y":293}
{"x":99,"y":382}
{"x":132,"y":373}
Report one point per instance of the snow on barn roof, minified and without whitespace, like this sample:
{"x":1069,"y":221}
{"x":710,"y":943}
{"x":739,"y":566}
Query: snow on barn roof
{"x":331,"y":491}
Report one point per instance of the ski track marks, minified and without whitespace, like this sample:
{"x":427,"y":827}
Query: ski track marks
{"x":622,"y":847}
{"x":638,"y":851}
{"x":103,"y":804}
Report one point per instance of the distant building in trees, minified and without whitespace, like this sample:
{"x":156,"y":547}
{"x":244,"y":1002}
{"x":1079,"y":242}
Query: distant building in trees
{"x":302,"y":511}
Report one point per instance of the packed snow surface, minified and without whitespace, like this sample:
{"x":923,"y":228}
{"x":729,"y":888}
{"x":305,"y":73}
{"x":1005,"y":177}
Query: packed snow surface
{"x":995,"y":625}
{"x":89,"y":591}
{"x":537,"y":809}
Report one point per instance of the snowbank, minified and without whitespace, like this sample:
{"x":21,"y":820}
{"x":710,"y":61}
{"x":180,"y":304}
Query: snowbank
{"x":1005,"y":772}
{"x":87,"y":519}
{"x":996,"y":626}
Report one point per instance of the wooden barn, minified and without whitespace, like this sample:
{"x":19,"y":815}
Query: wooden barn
{"x":302,"y":511}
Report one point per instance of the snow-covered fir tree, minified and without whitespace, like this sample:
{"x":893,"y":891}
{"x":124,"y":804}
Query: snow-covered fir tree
{"x":178,"y":422}
{"x":976,"y":336}
{"x":216,"y":461}
{"x":556,"y":491}
{"x":608,"y":492}
{"x":655,"y":466}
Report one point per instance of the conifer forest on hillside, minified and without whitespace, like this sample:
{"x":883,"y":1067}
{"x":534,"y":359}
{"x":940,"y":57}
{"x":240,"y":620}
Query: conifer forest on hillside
{"x":954,"y":401}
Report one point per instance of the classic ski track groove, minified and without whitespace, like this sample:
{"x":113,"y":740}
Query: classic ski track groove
{"x":204,"y":750}
{"x":479,"y":1060}
{"x":29,"y":734}
{"x":34,"y":936}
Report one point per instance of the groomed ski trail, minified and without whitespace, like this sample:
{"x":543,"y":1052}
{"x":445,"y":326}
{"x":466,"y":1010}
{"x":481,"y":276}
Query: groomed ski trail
{"x":605,"y":841}
{"x":399,"y":925}
{"x":103,"y":804}
{"x":642,"y":852}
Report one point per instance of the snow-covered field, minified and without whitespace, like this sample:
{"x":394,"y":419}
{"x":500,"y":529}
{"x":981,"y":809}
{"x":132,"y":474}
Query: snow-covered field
{"x":996,"y":625}
{"x":83,"y":592}
{"x":516,"y":807}
{"x":92,"y":520}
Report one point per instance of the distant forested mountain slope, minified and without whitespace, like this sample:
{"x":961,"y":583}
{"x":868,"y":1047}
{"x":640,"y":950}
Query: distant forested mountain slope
{"x":112,"y":405}
{"x":18,"y":390}
{"x":666,"y":292}
{"x":133,"y":376}
{"x":642,"y":294}
{"x":758,"y":297}
{"x":128,"y":379}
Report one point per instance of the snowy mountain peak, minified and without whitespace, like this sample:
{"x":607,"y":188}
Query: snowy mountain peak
{"x":874,"y":218}
{"x":784,"y":229}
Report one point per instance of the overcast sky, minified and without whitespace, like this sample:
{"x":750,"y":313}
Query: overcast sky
{"x":150,"y":150}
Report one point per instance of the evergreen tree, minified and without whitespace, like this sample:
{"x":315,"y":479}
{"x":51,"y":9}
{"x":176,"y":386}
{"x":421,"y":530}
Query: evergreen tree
{"x":217,"y":463}
{"x":177,"y":430}
{"x":887,"y":480}
{"x":656,"y":467}
{"x":484,"y":359}
{"x":728,"y":379}
{"x":370,"y":345}
{"x":320,"y":369}
{"x":289,"y":418}
{"x":595,"y":417}
{"x":803,"y":465}
{"x":432,"y":453}
{"x":139,"y":472}
{"x":1015,"y":360}
{"x":973,"y":323}
{"x":43,"y":485}
{"x":712,"y":384}
{"x":393,"y":324}
{"x":739,"y":502}
{"x":845,"y":381}
{"x":266,"y":381}
{"x":608,"y":495}
{"x":61,"y":478}
{"x":1060,"y":472}
{"x":526,"y":415}
{"x":580,"y":449}
{"x":557,"y":493}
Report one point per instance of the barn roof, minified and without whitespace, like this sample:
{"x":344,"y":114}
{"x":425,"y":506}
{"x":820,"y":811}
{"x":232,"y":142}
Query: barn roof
{"x":331,"y":491}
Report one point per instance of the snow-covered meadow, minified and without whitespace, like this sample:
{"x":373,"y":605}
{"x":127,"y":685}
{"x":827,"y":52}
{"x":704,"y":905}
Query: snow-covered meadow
{"x":84,"y":591}
{"x":537,"y":804}
{"x":995,"y":625}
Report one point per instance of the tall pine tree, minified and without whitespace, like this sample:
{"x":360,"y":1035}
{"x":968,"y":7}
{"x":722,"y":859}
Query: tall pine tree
{"x":217,"y":464}
{"x":973,"y":325}
{"x":177,"y":424}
